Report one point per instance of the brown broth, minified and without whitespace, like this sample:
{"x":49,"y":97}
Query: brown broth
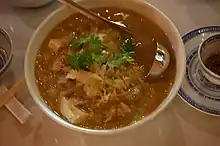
{"x":213,"y":63}
{"x":154,"y":94}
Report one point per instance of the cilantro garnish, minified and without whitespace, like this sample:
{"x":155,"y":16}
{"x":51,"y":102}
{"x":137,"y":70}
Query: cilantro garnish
{"x":80,"y":60}
{"x":120,"y":59}
{"x":91,"y":52}
{"x":98,"y":58}
{"x":93,"y":40}
{"x":86,"y":56}
{"x":126,"y":55}
{"x":128,"y":45}
{"x":95,"y":44}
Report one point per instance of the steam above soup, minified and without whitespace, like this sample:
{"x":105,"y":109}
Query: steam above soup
{"x":93,"y":76}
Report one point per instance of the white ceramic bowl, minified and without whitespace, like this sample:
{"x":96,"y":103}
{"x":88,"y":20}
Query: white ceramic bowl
{"x":138,"y":6}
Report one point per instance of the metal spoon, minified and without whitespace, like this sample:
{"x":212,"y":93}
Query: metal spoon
{"x":160,"y":59}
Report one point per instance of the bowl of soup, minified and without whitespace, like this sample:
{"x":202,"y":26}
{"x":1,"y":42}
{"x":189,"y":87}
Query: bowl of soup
{"x":90,"y":78}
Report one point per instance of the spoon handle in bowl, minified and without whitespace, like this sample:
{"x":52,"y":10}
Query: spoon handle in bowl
{"x":92,"y":15}
{"x":82,"y":10}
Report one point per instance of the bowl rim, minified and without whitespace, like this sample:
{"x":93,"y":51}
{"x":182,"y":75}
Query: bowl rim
{"x":149,"y":117}
{"x":10,"y":55}
{"x":201,"y":47}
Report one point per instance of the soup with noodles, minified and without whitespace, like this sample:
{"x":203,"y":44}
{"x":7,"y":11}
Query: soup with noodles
{"x":93,"y":76}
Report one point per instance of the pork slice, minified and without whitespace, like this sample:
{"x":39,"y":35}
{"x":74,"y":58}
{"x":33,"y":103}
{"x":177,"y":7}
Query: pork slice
{"x":83,"y":76}
{"x":99,"y":70}
{"x":66,"y":69}
{"x":72,"y":113}
{"x":72,"y":89}
{"x":56,"y":44}
{"x":77,"y":102}
{"x":119,"y":84}
{"x":91,"y":90}
{"x":92,"y":83}
{"x":125,"y":107}
{"x":95,"y":68}
{"x":62,"y":80}
{"x":72,"y":75}
{"x":123,"y":110}
{"x":111,"y":113}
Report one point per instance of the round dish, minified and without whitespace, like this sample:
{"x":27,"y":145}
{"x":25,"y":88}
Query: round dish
{"x":138,"y":6}
{"x":207,"y":48}
{"x":196,"y":90}
{"x":6,"y":52}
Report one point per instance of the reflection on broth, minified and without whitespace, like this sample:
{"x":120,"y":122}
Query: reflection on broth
{"x":89,"y":74}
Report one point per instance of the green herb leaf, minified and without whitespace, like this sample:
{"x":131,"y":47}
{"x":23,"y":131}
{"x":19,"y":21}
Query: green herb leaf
{"x":98,"y":58}
{"x":128,"y":45}
{"x":127,"y":57}
{"x":73,"y":60}
{"x":95,"y":44}
{"x":115,"y":63}
{"x":120,"y":59}
{"x":77,"y":43}
{"x":86,"y":56}
{"x":80,"y":60}
{"x":93,"y":40}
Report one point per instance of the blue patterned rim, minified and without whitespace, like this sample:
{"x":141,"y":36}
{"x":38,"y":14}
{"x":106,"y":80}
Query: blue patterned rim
{"x":181,"y":92}
{"x":205,"y":83}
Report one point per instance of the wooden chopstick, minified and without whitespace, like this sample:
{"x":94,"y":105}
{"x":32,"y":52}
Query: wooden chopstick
{"x":7,"y":95}
{"x":16,"y":108}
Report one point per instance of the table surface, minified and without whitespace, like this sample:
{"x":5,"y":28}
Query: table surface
{"x":178,"y":125}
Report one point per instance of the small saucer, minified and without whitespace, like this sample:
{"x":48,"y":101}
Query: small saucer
{"x":196,"y":90}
